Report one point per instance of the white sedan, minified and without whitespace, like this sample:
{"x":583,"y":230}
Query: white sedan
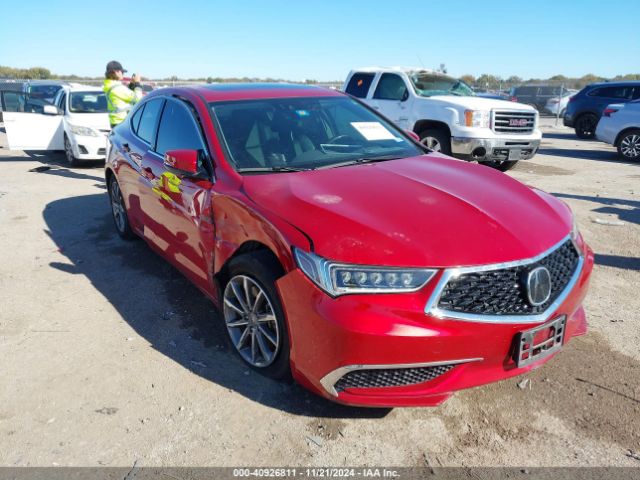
{"x":77,"y":122}
{"x":620,"y":126}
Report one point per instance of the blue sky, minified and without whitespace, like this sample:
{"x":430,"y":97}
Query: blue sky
{"x":323,"y":40}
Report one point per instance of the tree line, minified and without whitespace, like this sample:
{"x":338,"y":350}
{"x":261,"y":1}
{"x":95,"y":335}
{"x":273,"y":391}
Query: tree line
{"x":484,"y":81}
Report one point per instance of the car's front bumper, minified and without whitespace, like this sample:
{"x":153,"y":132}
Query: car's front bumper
{"x":493,"y":149}
{"x":333,"y":336}
{"x":89,"y":147}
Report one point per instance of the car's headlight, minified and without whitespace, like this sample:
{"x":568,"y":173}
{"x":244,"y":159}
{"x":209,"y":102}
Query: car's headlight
{"x":476,"y":118}
{"x":83,"y":131}
{"x":340,"y":279}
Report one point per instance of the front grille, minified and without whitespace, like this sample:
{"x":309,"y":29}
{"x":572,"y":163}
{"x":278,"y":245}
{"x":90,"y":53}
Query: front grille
{"x":502,"y":292}
{"x":508,"y":121}
{"x":392,"y":377}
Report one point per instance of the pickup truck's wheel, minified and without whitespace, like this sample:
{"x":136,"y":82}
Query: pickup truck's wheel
{"x":585,"y":126}
{"x":68,"y":152}
{"x":629,"y":145}
{"x":436,"y":140}
{"x":119,"y":211}
{"x":254,"y":316}
{"x":503,"y":166}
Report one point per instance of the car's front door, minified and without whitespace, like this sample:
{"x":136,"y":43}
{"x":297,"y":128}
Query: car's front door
{"x":175,"y":207}
{"x":28,"y":130}
{"x":391,"y":98}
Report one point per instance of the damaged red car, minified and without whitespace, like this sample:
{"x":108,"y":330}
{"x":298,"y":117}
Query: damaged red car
{"x":340,"y":251}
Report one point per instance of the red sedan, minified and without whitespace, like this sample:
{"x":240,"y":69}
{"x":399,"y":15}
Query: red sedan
{"x":340,"y":251}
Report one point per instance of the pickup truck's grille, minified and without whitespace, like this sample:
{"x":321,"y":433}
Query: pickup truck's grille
{"x":509,"y":121}
{"x":501,"y":292}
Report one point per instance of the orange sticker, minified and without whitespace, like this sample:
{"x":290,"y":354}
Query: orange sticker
{"x":359,"y":83}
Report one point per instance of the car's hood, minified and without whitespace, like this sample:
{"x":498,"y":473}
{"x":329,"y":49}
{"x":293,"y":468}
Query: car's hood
{"x":98,"y":121}
{"x":481,"y":103}
{"x":422,"y":211}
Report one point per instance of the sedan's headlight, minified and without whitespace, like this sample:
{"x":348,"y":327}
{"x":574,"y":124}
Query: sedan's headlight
{"x":340,"y":279}
{"x":83,"y":131}
{"x":476,"y":118}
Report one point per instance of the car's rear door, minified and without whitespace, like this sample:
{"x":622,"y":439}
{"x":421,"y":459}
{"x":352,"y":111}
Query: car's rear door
{"x":604,"y":96}
{"x":175,"y":206}
{"x":27,"y":130}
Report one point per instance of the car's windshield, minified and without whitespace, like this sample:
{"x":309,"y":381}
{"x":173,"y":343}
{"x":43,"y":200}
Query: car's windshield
{"x":286,"y":134}
{"x":87,"y":102}
{"x":430,"y":84}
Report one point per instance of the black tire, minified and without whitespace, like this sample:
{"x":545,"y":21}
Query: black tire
{"x":441,"y":137}
{"x":115,"y":198}
{"x":502,"y":166}
{"x":68,"y":153}
{"x":263,"y":269}
{"x":585,"y":125}
{"x":629,"y":145}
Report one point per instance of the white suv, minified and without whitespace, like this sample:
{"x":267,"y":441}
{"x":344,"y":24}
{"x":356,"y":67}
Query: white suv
{"x":620,"y":126}
{"x":447,"y":116}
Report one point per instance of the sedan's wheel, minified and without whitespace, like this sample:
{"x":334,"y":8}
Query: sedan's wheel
{"x":119,"y":211}
{"x":586,"y":125}
{"x":68,"y":152}
{"x":254,"y":316}
{"x":251,"y":321}
{"x":629,"y":145}
{"x":436,"y":140}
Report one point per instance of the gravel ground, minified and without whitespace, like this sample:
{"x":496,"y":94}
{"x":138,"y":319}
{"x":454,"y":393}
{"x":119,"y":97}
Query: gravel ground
{"x":110,"y":357}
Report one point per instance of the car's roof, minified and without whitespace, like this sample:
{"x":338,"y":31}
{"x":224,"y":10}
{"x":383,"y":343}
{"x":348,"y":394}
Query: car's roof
{"x":77,"y":87}
{"x":397,"y":69}
{"x":618,"y":83}
{"x":245,"y":91}
{"x":48,"y":82}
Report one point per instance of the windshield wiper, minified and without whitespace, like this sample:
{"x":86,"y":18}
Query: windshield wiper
{"x":356,"y":161}
{"x":279,"y":168}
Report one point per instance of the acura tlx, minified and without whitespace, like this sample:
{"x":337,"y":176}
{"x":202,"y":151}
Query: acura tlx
{"x":340,"y":251}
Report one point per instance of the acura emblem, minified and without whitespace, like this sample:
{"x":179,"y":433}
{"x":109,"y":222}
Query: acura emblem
{"x":538,"y":286}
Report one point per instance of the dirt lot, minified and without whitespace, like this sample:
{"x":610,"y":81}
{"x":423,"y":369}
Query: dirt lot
{"x":110,"y":357}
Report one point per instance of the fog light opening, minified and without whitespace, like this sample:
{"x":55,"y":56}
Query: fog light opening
{"x":479,"y":152}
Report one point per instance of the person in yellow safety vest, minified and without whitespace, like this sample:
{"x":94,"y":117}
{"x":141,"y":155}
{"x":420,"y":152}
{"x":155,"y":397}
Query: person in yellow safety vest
{"x":120,"y":98}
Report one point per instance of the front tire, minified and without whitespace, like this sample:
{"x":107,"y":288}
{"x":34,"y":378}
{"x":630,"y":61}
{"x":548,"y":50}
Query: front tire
{"x":68,"y":153}
{"x":585,"y":126}
{"x":119,"y":211}
{"x":436,"y":140}
{"x":629,"y":145}
{"x":254,"y":316}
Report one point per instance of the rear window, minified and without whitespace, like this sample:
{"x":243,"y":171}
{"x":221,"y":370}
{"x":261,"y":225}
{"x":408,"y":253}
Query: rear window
{"x":525,"y":90}
{"x":359,"y":84}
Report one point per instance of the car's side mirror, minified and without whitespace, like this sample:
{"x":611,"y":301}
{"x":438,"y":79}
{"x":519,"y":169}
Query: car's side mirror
{"x":182,"y":161}
{"x":51,"y":110}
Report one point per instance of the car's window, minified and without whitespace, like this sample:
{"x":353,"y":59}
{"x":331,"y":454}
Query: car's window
{"x":359,"y":84}
{"x":636,"y":92}
{"x":147,"y":128}
{"x":525,"y":90}
{"x":178,"y":129}
{"x":309,"y":132}
{"x":549,"y":91}
{"x":44,"y":92}
{"x":391,"y":87}
{"x":87,"y":102}
{"x":135,"y":118}
{"x":13,"y":101}
{"x":428,"y":84}
{"x":623,"y":92}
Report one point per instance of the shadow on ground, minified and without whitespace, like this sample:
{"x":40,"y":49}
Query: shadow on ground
{"x":626,"y":210}
{"x":165,"y":308}
{"x":55,"y":163}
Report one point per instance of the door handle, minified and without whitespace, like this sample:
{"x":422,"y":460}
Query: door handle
{"x":125,"y":147}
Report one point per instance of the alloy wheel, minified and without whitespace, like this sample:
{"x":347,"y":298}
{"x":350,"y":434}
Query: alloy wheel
{"x":630,"y":146}
{"x":117,"y":207}
{"x":432,"y":143}
{"x":251,"y":322}
{"x":68,"y":151}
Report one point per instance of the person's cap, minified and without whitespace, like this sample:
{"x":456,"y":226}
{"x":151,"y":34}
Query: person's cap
{"x":114,"y":66}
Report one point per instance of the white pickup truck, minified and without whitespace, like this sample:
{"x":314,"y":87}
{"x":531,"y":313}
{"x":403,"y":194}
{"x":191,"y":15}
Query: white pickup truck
{"x":447,"y":116}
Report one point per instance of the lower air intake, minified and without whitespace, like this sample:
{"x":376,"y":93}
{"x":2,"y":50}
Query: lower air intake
{"x":395,"y":377}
